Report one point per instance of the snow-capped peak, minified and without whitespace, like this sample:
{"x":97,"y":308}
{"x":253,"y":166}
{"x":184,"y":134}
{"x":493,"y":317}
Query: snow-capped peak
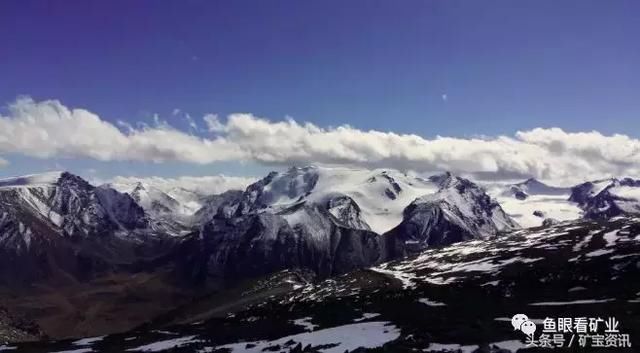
{"x":533,"y":187}
{"x":580,"y":193}
{"x":62,"y":203}
{"x":48,"y":178}
{"x":532,"y":200}
{"x":470,"y":202}
{"x":442,"y":179}
{"x":160,"y":202}
{"x":458,"y":210}
{"x":608,"y":198}
{"x":381,"y":194}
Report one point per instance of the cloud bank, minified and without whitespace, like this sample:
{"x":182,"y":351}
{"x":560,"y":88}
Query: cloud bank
{"x":48,"y":128}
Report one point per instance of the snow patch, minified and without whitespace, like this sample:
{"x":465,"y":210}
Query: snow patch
{"x":440,"y":347}
{"x":367,"y":316}
{"x":512,"y":345}
{"x":491,"y":283}
{"x":626,"y":192}
{"x":346,"y":338}
{"x":306,"y":323}
{"x":575,"y":302}
{"x":48,"y":178}
{"x":610,"y":238}
{"x":428,"y":302}
{"x":584,"y":242}
{"x":599,"y":252}
{"x":406,"y":278}
{"x":88,"y":341}
{"x":576,"y":289}
{"x":166,"y":344}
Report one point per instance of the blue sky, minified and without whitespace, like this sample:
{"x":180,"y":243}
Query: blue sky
{"x":449,"y":68}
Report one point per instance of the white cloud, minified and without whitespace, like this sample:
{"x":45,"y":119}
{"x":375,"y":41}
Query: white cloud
{"x":3,"y":162}
{"x":213,"y":123}
{"x":48,"y":128}
{"x":206,"y":185}
{"x":192,"y":123}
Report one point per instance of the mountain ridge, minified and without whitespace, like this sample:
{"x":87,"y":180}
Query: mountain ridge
{"x":64,"y":232}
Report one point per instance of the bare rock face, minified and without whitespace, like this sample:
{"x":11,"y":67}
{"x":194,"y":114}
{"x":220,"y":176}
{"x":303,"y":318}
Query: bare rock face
{"x":548,"y":222}
{"x":212,"y":203}
{"x":258,"y":243}
{"x":459,"y":211}
{"x":18,"y":329}
{"x":607,"y":198}
{"x":346,"y":212}
{"x":57,"y":225}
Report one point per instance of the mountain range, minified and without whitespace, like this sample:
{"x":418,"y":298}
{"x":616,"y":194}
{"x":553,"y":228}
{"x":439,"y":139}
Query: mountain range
{"x":120,"y":244}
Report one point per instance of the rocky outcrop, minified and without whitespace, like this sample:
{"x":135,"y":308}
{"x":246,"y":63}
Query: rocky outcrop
{"x":460,"y":210}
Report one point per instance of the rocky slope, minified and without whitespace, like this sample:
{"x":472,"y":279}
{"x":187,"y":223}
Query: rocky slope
{"x":429,"y":302}
{"x":58,"y":226}
{"x":460,"y":210}
{"x":608,"y":198}
{"x":210,"y":205}
{"x":322,"y":219}
{"x":185,"y":209}
{"x":18,"y":329}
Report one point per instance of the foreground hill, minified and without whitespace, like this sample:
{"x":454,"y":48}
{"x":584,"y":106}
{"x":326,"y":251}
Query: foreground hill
{"x":459,"y":298}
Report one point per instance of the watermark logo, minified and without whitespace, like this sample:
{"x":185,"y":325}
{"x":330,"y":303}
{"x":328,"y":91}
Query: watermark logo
{"x":566,"y":332}
{"x":517,"y":320}
{"x":521,"y":322}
